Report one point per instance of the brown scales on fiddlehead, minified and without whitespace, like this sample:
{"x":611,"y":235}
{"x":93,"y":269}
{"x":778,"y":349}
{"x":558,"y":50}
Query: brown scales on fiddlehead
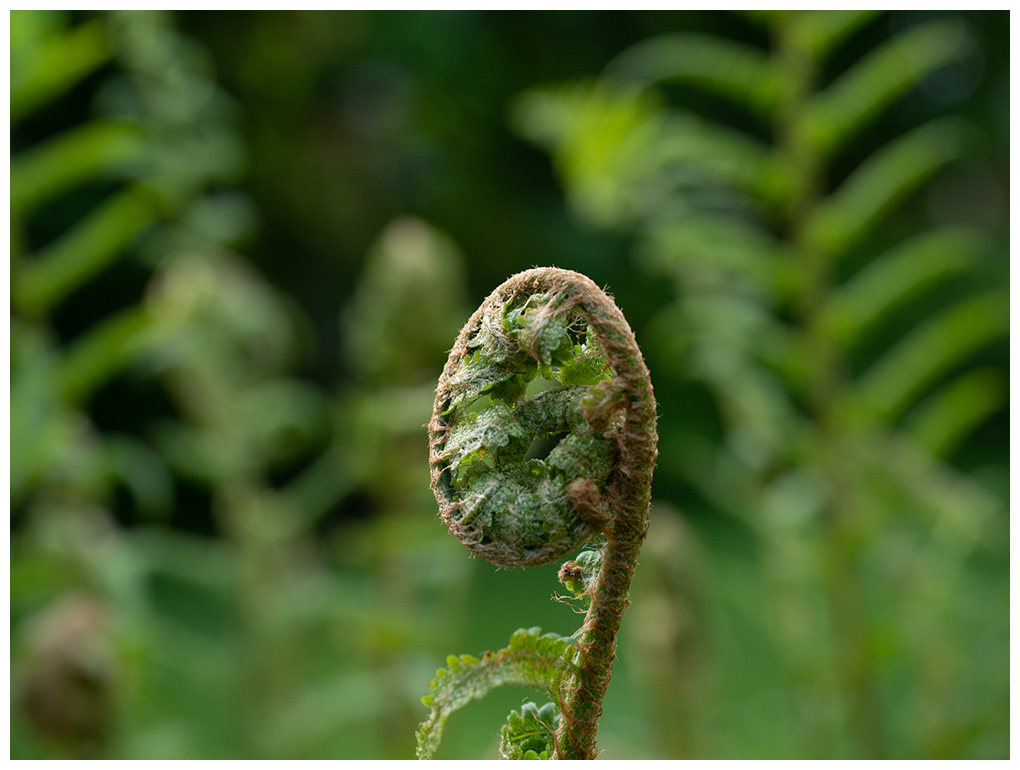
{"x":553,"y":329}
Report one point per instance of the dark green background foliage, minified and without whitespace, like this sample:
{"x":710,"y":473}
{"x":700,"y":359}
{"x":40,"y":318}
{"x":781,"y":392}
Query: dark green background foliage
{"x":243,"y":243}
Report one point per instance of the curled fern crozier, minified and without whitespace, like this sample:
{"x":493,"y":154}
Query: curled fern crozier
{"x":542,"y":436}
{"x":553,"y":328}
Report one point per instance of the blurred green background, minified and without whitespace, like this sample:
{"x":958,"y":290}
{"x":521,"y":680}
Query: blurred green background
{"x":243,"y":242}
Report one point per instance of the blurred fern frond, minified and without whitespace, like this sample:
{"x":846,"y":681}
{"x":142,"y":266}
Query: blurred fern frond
{"x":88,"y":193}
{"x":171,"y":465}
{"x":850,"y":343}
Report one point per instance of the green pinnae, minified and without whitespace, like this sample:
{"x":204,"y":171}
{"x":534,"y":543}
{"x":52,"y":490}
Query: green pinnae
{"x":510,"y":498}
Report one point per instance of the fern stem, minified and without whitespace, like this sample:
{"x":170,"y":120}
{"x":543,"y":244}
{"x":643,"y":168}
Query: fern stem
{"x":584,"y":694}
{"x":826,"y":379}
{"x":626,"y":500}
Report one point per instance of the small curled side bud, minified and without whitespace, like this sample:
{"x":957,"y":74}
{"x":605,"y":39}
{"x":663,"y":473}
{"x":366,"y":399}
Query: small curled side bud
{"x":578,"y":575}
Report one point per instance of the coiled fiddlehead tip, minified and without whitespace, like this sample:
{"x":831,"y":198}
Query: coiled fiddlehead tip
{"x":543,"y":428}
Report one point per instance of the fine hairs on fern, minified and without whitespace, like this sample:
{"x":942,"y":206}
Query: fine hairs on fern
{"x":548,"y":358}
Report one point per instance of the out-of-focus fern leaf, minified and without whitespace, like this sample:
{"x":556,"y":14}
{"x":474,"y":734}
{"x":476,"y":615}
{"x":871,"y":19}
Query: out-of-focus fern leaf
{"x":791,"y":499}
{"x":822,"y":31}
{"x":40,"y":431}
{"x":884,"y":180}
{"x":528,"y":733}
{"x":311,"y":714}
{"x":554,"y":115}
{"x":945,"y":419}
{"x":753,"y":398}
{"x":725,"y":154}
{"x":282,"y":415}
{"x":94,"y":150}
{"x":739,"y":323}
{"x":406,"y":306}
{"x":143,"y":474}
{"x":615,"y":146}
{"x":858,"y":305}
{"x":531,"y":659}
{"x":738,"y":72}
{"x":43,"y":71}
{"x":719,"y":249}
{"x":930,"y":351}
{"x":876,"y":81}
{"x":96,"y":355}
{"x":956,"y":508}
{"x":84,"y":251}
{"x":715,"y":472}
{"x":602,"y":138}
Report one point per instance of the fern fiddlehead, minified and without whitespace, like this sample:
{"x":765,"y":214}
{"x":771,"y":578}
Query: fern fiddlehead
{"x":553,"y":329}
